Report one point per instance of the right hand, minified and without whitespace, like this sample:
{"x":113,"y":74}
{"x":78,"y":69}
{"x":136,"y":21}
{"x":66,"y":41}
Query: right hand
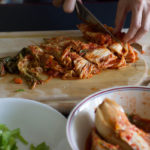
{"x":68,"y":5}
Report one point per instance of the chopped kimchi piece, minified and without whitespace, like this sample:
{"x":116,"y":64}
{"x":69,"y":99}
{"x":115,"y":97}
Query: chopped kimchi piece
{"x":83,"y":67}
{"x":116,"y":48}
{"x":18,"y":80}
{"x":132,"y":55}
{"x":48,"y":62}
{"x":103,"y":57}
{"x":99,"y":144}
{"x":93,"y":35}
{"x":113,"y":125}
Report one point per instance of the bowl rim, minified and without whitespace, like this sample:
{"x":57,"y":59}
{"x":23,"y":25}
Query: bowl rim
{"x":90,"y":97}
{"x":34,"y":102}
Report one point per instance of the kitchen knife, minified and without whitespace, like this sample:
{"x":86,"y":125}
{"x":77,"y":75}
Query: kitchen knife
{"x":86,"y":16}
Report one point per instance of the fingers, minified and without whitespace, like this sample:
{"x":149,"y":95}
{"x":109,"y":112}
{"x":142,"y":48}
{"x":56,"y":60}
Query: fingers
{"x":136,"y":20}
{"x":144,"y":28}
{"x":69,"y":5}
{"x":57,"y":3}
{"x":120,"y":16}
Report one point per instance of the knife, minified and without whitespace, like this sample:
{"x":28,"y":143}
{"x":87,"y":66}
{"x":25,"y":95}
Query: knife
{"x":86,"y":16}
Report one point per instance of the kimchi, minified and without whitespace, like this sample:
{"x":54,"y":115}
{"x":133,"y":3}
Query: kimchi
{"x":67,"y":58}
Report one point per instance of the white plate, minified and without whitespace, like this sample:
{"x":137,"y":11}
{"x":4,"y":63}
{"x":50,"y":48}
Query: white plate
{"x":37,"y":122}
{"x":81,"y":119}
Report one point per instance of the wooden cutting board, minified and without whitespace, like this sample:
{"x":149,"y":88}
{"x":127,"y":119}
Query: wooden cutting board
{"x":63,"y":94}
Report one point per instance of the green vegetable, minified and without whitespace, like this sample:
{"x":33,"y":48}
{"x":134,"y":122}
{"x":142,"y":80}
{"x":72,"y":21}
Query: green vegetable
{"x":8,"y":138}
{"x":19,"y":90}
{"x":3,"y":62}
{"x":83,"y":51}
{"x":26,"y":67}
{"x":41,"y":146}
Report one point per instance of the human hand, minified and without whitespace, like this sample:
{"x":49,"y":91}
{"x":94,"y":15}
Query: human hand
{"x":68,"y":5}
{"x":140,"y":20}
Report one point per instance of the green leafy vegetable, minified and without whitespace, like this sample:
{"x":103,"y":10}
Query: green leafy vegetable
{"x":41,"y":146}
{"x":3,"y":62}
{"x":83,"y":51}
{"x":8,"y":138}
{"x":19,"y":90}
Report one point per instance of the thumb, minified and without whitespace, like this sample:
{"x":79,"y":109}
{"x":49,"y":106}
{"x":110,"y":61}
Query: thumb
{"x":69,"y":5}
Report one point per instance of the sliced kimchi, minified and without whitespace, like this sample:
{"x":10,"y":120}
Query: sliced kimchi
{"x":119,"y":49}
{"x":67,"y":58}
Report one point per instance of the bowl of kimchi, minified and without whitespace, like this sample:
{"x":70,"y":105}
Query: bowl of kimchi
{"x":116,"y":119}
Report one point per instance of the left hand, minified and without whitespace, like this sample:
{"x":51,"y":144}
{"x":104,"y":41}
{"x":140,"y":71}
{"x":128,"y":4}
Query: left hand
{"x":140,"y":20}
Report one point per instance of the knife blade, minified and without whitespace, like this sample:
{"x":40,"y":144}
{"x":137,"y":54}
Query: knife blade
{"x":86,"y":16}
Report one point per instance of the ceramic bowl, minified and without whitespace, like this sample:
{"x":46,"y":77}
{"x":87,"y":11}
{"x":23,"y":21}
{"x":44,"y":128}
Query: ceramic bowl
{"x":81,"y":119}
{"x":37,"y":122}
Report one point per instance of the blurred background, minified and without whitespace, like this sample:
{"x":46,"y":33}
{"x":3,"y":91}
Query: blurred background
{"x":23,"y":15}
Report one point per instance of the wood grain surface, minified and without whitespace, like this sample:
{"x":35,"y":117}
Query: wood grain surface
{"x":63,"y":94}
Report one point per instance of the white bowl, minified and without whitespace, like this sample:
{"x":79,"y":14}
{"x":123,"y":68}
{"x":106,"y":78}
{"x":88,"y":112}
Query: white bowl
{"x":38,"y":122}
{"x":81,"y":119}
